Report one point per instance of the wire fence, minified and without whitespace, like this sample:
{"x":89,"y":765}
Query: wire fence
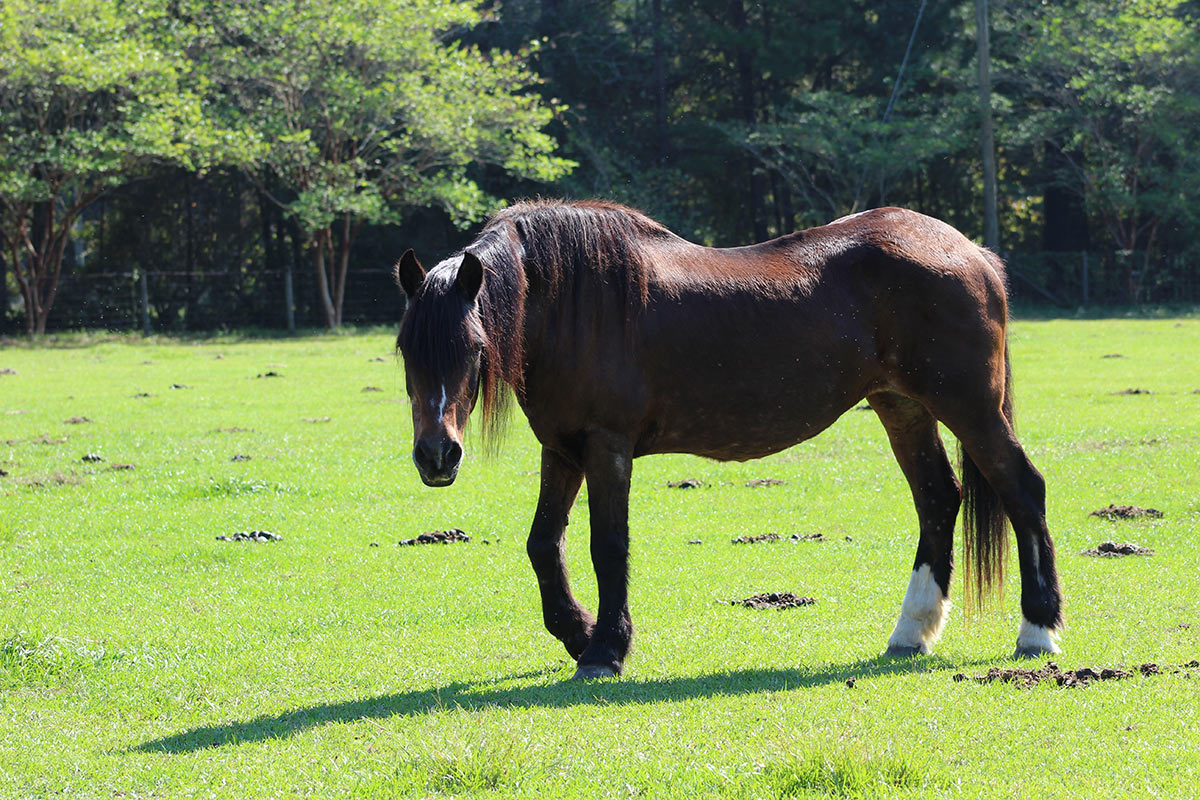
{"x":173,"y":300}
{"x":1084,"y":279}
{"x":170,"y":300}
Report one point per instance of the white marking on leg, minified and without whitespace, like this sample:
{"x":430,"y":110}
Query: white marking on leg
{"x":922,"y":614}
{"x":1036,"y":638}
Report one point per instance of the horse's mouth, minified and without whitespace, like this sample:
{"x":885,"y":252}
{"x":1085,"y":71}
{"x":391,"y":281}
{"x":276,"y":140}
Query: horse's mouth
{"x":437,"y":481}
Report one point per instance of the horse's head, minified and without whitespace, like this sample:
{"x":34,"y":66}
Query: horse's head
{"x":442,"y":342}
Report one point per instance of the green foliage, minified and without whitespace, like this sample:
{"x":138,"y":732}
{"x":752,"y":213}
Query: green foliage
{"x":1116,"y":87}
{"x":91,"y":93}
{"x":372,"y":109}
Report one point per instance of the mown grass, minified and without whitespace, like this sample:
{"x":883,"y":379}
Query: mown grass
{"x":141,"y":657}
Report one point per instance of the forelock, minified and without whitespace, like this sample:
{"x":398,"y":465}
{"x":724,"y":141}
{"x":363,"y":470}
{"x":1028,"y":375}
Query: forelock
{"x":438,"y":327}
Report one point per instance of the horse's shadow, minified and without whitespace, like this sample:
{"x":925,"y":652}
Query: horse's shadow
{"x":490,"y":694}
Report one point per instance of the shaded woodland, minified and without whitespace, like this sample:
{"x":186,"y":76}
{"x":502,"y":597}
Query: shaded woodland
{"x":191,"y":165}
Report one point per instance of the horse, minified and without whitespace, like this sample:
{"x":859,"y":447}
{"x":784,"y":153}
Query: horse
{"x":620,"y":339}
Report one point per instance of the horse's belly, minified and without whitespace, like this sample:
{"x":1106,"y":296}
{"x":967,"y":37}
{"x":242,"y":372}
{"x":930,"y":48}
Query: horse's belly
{"x":740,"y":432}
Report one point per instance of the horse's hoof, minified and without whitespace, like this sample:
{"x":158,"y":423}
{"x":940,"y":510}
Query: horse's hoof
{"x":591,"y":672}
{"x":904,"y":651}
{"x":1035,"y":651}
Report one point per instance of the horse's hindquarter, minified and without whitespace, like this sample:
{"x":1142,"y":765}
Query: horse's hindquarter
{"x":755,"y":349}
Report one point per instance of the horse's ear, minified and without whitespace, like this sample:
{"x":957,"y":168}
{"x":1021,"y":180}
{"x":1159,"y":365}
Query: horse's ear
{"x":409,"y":273}
{"x":470,"y":277}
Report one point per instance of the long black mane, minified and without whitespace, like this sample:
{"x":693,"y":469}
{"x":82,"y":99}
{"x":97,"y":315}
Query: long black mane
{"x":565,"y":253}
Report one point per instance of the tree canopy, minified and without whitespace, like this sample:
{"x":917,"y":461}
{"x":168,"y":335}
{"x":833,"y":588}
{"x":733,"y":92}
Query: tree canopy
{"x":339,"y":133}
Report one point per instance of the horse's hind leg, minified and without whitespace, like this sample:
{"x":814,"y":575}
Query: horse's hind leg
{"x":564,"y":617}
{"x":993,"y":447}
{"x":916,"y":444}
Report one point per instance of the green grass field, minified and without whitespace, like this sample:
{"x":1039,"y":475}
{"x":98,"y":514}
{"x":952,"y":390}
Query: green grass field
{"x":141,"y":657}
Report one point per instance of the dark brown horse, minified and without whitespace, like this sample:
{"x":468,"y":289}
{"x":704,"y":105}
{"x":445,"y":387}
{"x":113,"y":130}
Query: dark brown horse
{"x":621,"y":339}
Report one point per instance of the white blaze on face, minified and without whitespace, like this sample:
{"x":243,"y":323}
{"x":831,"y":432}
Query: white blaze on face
{"x":441,"y":405}
{"x":922,"y":614}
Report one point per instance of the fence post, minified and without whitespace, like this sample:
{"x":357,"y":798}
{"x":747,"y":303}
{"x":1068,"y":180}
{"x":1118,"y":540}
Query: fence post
{"x":289,"y":299}
{"x":1085,"y":279}
{"x":144,"y":288}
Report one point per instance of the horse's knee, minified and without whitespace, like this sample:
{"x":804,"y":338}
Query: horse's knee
{"x":543,"y":549}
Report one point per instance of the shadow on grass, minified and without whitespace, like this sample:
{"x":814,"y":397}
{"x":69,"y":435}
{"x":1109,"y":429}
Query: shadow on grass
{"x":483,"y":695}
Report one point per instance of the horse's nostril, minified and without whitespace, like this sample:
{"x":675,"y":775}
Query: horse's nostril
{"x":452,"y":454}
{"x":424,"y":454}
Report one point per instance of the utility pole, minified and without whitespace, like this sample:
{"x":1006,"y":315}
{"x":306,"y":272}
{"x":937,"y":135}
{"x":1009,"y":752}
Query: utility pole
{"x":991,"y":225}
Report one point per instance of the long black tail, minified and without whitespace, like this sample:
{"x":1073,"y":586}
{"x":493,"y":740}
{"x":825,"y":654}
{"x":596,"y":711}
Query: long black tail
{"x":985,"y":525}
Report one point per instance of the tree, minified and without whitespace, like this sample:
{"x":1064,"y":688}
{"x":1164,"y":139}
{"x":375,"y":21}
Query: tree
{"x":1114,"y":86}
{"x":91,"y":91}
{"x":369,"y":109}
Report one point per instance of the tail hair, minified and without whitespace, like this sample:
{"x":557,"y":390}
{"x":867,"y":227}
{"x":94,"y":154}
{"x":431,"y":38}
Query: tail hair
{"x":985,"y":525}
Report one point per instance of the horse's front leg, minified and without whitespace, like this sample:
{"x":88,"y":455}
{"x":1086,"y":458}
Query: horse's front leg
{"x":608,"y":463}
{"x":568,"y":621}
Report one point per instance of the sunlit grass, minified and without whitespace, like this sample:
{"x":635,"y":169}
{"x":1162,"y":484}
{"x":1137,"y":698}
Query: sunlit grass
{"x":140,"y":656}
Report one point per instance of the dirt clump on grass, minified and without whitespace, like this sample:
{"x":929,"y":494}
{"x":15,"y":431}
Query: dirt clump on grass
{"x":761,"y":538}
{"x":760,"y":482}
{"x":76,"y":421}
{"x":686,"y":483}
{"x":1115,"y":512}
{"x":1114,"y":550}
{"x":251,"y":536}
{"x":46,"y":481}
{"x":808,"y":537}
{"x":437,"y":537}
{"x":1071,"y":678}
{"x":1133,"y":391}
{"x":774,"y":600}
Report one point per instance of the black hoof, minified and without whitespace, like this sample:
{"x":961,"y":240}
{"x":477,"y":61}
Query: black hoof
{"x":905,"y":651}
{"x":591,"y":672}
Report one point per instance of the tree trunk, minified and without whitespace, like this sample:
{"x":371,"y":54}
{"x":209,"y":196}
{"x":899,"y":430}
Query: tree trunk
{"x":660,"y":83}
{"x":744,"y":59}
{"x":991,"y":224}
{"x":345,"y":242}
{"x":3,"y":293}
{"x":319,"y":242}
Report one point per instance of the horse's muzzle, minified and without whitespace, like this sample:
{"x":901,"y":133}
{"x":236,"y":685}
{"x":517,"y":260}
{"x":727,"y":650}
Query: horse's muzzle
{"x":437,"y":461}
